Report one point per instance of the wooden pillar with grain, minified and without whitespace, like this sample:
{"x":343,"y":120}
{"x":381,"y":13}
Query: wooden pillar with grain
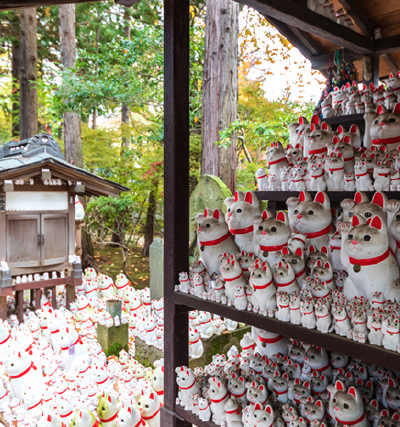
{"x":78,"y":238}
{"x":371,"y":70}
{"x":176,"y":185}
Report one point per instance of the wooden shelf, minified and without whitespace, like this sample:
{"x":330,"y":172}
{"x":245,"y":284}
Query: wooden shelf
{"x":352,"y":119}
{"x":46,"y":283}
{"x":188,"y":416}
{"x":367,"y":352}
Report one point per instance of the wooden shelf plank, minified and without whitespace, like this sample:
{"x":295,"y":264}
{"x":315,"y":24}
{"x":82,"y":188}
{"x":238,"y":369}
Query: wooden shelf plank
{"x":188,"y":416}
{"x":367,"y":352}
{"x":299,"y":16}
{"x":352,"y":119}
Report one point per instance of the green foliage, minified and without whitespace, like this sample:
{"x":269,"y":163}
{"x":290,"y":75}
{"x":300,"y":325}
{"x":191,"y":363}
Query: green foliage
{"x":114,"y":349}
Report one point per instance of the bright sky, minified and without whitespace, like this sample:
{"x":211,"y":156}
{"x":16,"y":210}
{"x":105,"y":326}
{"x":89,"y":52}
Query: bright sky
{"x":279,"y":79}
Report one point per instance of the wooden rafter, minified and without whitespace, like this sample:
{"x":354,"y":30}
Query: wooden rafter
{"x":322,"y":62}
{"x":295,"y":14}
{"x":307,"y":40}
{"x":387,"y":44}
{"x":358,"y":16}
{"x":391,"y":62}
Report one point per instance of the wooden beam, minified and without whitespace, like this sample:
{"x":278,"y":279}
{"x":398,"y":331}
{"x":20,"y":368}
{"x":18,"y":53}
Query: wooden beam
{"x":387,"y":44}
{"x":391,"y":62}
{"x":350,"y":6}
{"x":297,"y":15}
{"x":307,"y":40}
{"x":321,"y":62}
{"x":371,"y":70}
{"x":17,"y":4}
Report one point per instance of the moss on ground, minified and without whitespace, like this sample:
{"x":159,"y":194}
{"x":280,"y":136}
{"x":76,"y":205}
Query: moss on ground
{"x":109,"y":261}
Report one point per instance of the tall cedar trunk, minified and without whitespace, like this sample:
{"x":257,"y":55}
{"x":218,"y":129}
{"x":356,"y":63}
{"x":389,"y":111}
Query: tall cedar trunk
{"x":15,"y":73}
{"x":149,"y":231}
{"x":96,"y":69}
{"x":72,"y":131}
{"x":28,"y":89}
{"x":220,"y":90}
{"x":125,"y":109}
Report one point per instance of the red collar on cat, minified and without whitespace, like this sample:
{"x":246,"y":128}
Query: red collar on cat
{"x":151,"y":416}
{"x":270,"y":340}
{"x":300,"y":273}
{"x":263,"y":286}
{"x":216,"y":241}
{"x":242,"y":230}
{"x":351,"y":423}
{"x":235,"y":278}
{"x":262,"y":176}
{"x":235,"y":411}
{"x":110,"y":419}
{"x":282,"y":285}
{"x":386,"y":141}
{"x":323,"y":232}
{"x":319,"y":151}
{"x":273,"y":248}
{"x":239,"y":395}
{"x":219,"y":400}
{"x":370,"y":261}
{"x":274,"y":162}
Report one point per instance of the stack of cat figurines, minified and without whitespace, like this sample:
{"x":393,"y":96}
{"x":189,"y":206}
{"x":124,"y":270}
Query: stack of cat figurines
{"x":312,"y":266}
{"x":296,"y":386}
{"x":318,"y":158}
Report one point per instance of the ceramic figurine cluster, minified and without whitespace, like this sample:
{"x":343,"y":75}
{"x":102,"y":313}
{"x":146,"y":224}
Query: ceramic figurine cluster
{"x":53,"y":371}
{"x":326,"y":8}
{"x":348,"y":99}
{"x":276,"y":382}
{"x":318,"y":158}
{"x":312,"y":266}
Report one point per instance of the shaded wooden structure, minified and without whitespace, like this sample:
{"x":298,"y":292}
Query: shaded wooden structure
{"x":37,"y":216}
{"x":316,"y":37}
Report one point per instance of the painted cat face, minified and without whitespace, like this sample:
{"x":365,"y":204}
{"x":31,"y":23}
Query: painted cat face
{"x":211,"y":224}
{"x":245,"y":259}
{"x":284,"y":273}
{"x":263,"y":417}
{"x":314,"y":410}
{"x":386,"y":125}
{"x":271,"y":231}
{"x":343,"y":147}
{"x":275,"y":151}
{"x":241,"y":209}
{"x":319,"y":139}
{"x":347,"y":405}
{"x":367,"y":240}
{"x":314,"y":256}
{"x":260,"y":273}
{"x":297,"y":353}
{"x":300,"y":391}
{"x":296,"y":131}
{"x":230,"y":266}
{"x":308,"y":216}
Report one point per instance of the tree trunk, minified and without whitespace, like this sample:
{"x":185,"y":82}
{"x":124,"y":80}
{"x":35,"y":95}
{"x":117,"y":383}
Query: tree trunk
{"x":149,"y":230}
{"x":96,"y":69}
{"x":125,"y":109}
{"x":15,"y":74}
{"x":28,"y":90}
{"x":87,"y":250}
{"x":72,"y":131}
{"x":220,"y":90}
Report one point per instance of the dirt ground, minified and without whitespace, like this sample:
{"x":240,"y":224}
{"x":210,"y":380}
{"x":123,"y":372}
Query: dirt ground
{"x":110,"y":262}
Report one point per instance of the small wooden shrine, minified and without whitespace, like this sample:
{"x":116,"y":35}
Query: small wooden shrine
{"x":37,"y":217}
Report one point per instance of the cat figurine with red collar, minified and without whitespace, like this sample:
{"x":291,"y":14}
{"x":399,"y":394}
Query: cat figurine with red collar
{"x":319,"y":140}
{"x":233,"y":275}
{"x":296,"y":260}
{"x":311,"y":217}
{"x":382,"y":173}
{"x":370,"y":263}
{"x":262,"y":179}
{"x":264,"y":290}
{"x":325,"y":274}
{"x":256,"y":393}
{"x":130,"y":417}
{"x":196,"y":348}
{"x":149,"y":407}
{"x":213,"y":239}
{"x":296,"y":130}
{"x":218,"y":396}
{"x":270,"y":235}
{"x":353,"y":134}
{"x":383,"y":128}
{"x":314,"y":411}
{"x":187,"y":386}
{"x":237,"y":387}
{"x":22,"y":370}
{"x":239,"y":216}
{"x":276,"y":160}
{"x":347,"y":406}
{"x":269,"y":343}
{"x":263,"y":416}
{"x":335,"y":180}
{"x":318,"y":359}
{"x":233,"y":413}
{"x":285,"y":278}
{"x":393,"y":82}
{"x":361,"y":205}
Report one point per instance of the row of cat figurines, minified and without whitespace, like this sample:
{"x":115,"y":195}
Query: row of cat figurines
{"x":302,"y":385}
{"x":368,"y":233}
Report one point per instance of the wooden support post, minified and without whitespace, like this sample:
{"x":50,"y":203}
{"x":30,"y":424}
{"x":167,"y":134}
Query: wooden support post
{"x":69,"y":295}
{"x":20,"y":302}
{"x":176,"y":183}
{"x":3,"y":308}
{"x":371,"y":70}
{"x":38,"y":298}
{"x":54,"y":296}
